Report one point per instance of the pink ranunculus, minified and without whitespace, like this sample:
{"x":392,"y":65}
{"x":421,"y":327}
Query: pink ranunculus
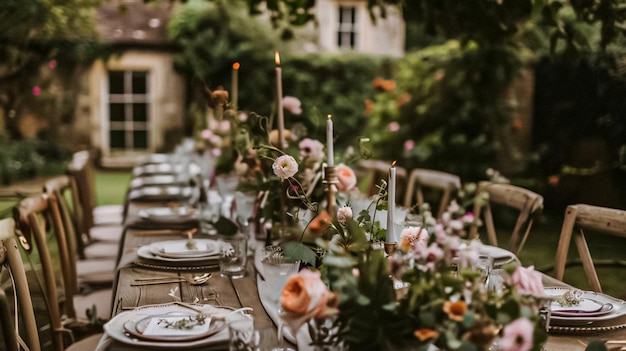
{"x":36,"y":91}
{"x":305,"y":296}
{"x":292,"y":104}
{"x":52,"y":64}
{"x":517,"y":336}
{"x":347,"y":178}
{"x":311,"y":149}
{"x":285,"y":167}
{"x":409,"y":145}
{"x":394,"y":126}
{"x":343,"y":213}
{"x":527,"y":281}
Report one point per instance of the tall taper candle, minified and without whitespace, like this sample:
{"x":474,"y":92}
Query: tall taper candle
{"x":235,"y":86}
{"x":391,"y":204}
{"x":279,"y":97}
{"x":329,"y":142}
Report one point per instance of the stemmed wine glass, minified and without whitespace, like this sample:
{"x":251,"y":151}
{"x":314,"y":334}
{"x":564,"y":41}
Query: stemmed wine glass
{"x":245,"y":209}
{"x":226,"y":186}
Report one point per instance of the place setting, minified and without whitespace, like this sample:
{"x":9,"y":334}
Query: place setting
{"x":574,"y":310}
{"x":174,"y":325}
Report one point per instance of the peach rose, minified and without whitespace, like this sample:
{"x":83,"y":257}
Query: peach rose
{"x":320,"y":223}
{"x":346,"y":177}
{"x":305,"y":296}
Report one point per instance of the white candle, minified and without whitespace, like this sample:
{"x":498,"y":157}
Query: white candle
{"x":329,"y":141}
{"x":391,"y":204}
{"x":279,"y":97}
{"x":235,"y":85}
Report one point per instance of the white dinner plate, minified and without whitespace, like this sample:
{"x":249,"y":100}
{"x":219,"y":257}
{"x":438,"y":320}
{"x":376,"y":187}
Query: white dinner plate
{"x":145,"y":253}
{"x":573,"y":318}
{"x":168,"y":214}
{"x":179,"y":249}
{"x":218,"y":334}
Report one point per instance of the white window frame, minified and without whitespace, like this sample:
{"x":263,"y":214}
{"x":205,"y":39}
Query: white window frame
{"x":128,"y":98}
{"x":347,"y":27}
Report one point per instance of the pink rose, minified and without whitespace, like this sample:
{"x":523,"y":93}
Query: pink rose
{"x":285,"y":167}
{"x":292,"y":104}
{"x":394,"y":126}
{"x":411,"y":236}
{"x":311,"y":149}
{"x":527,"y":281}
{"x":409,"y":145}
{"x":517,"y":336}
{"x":305,"y":296}
{"x":347,"y":178}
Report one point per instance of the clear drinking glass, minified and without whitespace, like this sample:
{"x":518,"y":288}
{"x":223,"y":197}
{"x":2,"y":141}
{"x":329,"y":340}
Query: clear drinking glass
{"x":242,"y":335}
{"x":226,"y":186}
{"x":234,"y":255}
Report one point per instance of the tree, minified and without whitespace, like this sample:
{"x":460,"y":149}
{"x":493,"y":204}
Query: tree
{"x":37,"y":37}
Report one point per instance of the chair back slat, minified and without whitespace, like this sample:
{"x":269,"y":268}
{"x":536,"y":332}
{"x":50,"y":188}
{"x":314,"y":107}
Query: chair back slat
{"x":528,"y":204}
{"x":11,"y":259}
{"x":582,"y":220}
{"x":420,"y":179}
{"x":36,"y":215}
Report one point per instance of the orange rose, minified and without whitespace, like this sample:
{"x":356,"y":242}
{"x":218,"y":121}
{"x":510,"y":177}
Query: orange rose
{"x":425,"y":334}
{"x":455,"y":310}
{"x":320,"y":223}
{"x":346,"y":177}
{"x":219,"y":96}
{"x":305,"y":296}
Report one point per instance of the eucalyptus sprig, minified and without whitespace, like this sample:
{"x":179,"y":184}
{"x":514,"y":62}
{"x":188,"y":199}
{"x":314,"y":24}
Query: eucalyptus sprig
{"x":185,"y":323}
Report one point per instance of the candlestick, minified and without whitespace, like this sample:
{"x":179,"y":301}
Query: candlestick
{"x":235,"y":86}
{"x":279,"y":97}
{"x":329,"y":142}
{"x":391,"y":204}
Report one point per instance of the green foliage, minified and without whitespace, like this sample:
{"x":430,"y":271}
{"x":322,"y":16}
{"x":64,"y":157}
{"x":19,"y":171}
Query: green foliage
{"x":28,"y":158}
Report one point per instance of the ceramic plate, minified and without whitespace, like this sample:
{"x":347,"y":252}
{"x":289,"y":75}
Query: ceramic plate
{"x":167,"y":214}
{"x":116,"y":327}
{"x":180,"y":248}
{"x":158,"y":331}
{"x":609,"y":308}
{"x":145,"y":253}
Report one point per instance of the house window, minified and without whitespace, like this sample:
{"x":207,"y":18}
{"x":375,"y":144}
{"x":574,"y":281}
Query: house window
{"x":346,"y":35}
{"x":128,"y":110}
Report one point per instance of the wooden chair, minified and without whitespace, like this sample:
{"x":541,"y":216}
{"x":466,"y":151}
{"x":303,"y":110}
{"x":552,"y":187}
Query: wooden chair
{"x":375,"y":170}
{"x":81,"y":168}
{"x":36,"y":216}
{"x":420,"y":179}
{"x":528,"y":204}
{"x":89,"y":271}
{"x":592,"y":219}
{"x":10,"y":260}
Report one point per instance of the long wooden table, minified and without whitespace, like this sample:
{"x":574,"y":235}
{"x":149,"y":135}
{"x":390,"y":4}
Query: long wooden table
{"x":218,"y":290}
{"x":241,"y":292}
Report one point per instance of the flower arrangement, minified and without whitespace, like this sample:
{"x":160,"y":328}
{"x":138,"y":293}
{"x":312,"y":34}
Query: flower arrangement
{"x":428,"y":292}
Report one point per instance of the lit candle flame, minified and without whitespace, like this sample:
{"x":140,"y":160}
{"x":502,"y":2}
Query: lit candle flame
{"x":277,"y":58}
{"x":330,"y":116}
{"x":393,"y":164}
{"x":236,"y":66}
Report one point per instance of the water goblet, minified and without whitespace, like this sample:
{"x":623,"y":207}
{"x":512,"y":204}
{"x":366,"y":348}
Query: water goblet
{"x":226,"y":186}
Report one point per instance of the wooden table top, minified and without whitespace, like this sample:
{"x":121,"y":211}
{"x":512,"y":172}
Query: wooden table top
{"x":241,"y":292}
{"x":218,"y":290}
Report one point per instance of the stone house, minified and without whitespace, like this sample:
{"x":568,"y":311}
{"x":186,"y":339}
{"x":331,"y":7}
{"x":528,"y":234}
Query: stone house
{"x":133,"y":104}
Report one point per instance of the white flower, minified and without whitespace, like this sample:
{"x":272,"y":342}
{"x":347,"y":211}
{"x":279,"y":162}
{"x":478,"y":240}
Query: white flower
{"x":285,"y":167}
{"x":343,"y":213}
